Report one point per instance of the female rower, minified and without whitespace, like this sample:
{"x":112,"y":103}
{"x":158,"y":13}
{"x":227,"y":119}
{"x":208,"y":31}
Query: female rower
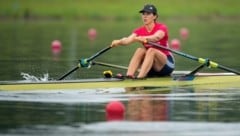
{"x":151,"y":61}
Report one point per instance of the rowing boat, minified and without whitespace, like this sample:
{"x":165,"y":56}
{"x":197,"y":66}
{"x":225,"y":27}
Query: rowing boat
{"x":215,"y":80}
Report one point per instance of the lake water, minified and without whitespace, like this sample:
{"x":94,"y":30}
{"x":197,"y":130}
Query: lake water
{"x":175,"y":111}
{"x":26,"y":47}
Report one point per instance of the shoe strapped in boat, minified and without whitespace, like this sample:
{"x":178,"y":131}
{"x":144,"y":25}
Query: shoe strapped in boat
{"x":120,"y":76}
{"x":140,"y":78}
{"x":130,"y":77}
{"x":135,"y":78}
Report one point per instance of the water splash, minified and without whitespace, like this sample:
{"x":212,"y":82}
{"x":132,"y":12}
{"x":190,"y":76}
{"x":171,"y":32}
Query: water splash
{"x":29,"y":77}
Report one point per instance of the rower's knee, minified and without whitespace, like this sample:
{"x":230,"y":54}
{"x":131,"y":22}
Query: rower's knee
{"x":151,"y":51}
{"x":140,"y":51}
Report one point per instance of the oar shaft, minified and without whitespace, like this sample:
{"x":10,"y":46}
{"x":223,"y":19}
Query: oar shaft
{"x":174,"y":51}
{"x":228,"y":69}
{"x":87,"y":60}
{"x":200,"y":60}
{"x":109,"y":65}
{"x":69,"y":72}
{"x":98,"y":53}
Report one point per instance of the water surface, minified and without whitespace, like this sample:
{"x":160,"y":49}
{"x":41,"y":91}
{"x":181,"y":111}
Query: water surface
{"x":182,"y":111}
{"x":179,"y":110}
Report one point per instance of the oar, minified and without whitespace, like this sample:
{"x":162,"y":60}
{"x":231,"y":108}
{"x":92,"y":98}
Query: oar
{"x":109,"y":65}
{"x":200,"y":60}
{"x":85,"y":62}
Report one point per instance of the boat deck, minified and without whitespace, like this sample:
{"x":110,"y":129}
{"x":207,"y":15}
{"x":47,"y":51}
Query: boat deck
{"x":205,"y":80}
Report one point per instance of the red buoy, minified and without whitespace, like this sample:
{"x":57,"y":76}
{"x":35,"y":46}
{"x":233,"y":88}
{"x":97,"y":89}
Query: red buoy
{"x":175,"y":44}
{"x":56,"y":47}
{"x":184,"y":33}
{"x":115,"y":111}
{"x":92,"y":34}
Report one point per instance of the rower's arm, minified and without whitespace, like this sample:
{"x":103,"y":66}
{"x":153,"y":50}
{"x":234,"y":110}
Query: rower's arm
{"x":124,"y":41}
{"x":156,"y":36}
{"x":153,"y":38}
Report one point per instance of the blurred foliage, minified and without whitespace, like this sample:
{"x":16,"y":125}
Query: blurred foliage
{"x":114,"y":9}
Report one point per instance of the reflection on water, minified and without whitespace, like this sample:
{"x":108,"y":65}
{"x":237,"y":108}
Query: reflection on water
{"x":146,"y":107}
{"x":147,"y":111}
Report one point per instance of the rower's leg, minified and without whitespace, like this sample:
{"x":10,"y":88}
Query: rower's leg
{"x":153,"y":59}
{"x":136,"y":61}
